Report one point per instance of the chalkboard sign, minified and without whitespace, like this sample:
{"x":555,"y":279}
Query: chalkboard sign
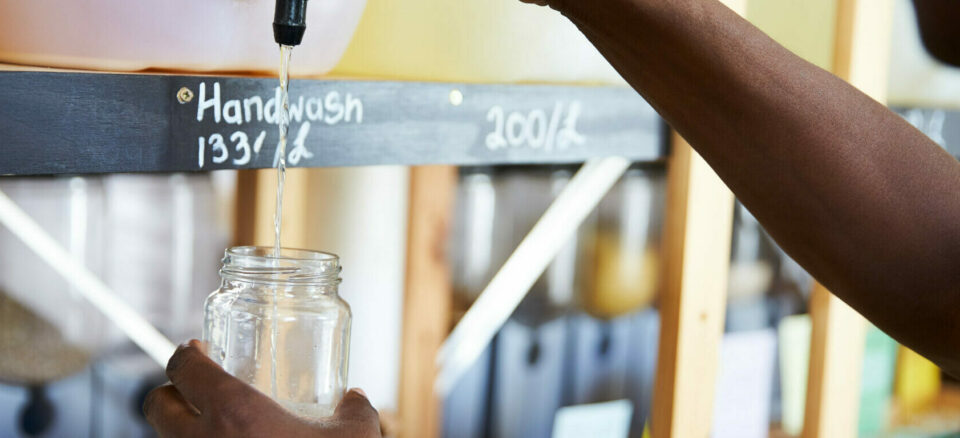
{"x":95,"y":123}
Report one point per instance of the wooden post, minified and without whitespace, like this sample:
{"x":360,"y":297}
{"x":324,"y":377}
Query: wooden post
{"x":257,"y":202}
{"x":696,"y":246}
{"x":245,"y":220}
{"x":697,"y":250}
{"x":293,"y":230}
{"x":836,"y":363}
{"x":427,"y":298}
{"x":837,"y":339}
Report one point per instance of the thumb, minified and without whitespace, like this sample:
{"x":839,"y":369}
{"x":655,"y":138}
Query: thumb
{"x":355,"y":408}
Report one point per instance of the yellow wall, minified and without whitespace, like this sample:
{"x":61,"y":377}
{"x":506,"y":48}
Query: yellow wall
{"x":806,"y":27}
{"x":507,"y":41}
{"x":471,"y":41}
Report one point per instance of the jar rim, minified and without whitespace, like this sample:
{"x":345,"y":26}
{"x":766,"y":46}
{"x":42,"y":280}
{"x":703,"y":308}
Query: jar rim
{"x":294,"y":266}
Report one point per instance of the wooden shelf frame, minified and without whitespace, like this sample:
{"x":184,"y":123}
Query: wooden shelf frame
{"x":861,"y":57}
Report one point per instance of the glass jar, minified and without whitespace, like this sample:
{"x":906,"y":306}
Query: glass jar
{"x":279,"y":325}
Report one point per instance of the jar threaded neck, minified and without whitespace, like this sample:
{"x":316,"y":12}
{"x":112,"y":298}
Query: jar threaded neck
{"x":293,"y":266}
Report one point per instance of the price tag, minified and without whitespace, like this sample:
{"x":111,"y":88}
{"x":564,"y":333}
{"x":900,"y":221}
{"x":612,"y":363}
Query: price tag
{"x":599,"y":420}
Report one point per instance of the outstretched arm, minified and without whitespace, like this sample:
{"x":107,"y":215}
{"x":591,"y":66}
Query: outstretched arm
{"x":856,"y":195}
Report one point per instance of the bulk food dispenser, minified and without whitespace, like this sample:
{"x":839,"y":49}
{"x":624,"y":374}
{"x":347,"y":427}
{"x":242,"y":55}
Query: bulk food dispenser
{"x":393,"y":95}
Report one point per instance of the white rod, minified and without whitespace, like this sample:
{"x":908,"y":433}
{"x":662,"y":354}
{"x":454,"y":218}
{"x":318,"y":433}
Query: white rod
{"x":140,"y":331}
{"x":535,"y":252}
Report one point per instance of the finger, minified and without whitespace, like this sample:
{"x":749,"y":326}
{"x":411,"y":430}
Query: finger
{"x":201,"y":381}
{"x":355,"y":407}
{"x":169,"y":414}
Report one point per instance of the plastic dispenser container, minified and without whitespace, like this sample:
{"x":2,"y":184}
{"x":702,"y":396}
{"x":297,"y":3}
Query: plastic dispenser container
{"x":476,"y":252}
{"x":47,"y":330}
{"x":279,"y":325}
{"x":185,"y":35}
{"x":524,"y":194}
{"x":531,"y":358}
{"x":142,"y":235}
{"x":615,"y":336}
{"x":627,"y":246}
{"x":472,"y":41}
{"x":753,"y":268}
{"x":163,"y":235}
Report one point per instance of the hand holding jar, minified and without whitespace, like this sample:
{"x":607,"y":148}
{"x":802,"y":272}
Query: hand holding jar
{"x":203,"y":400}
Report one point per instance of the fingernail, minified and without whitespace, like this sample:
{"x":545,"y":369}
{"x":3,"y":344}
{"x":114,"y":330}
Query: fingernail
{"x":359,"y":391}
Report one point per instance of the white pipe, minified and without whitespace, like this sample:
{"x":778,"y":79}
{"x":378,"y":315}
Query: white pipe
{"x":140,"y":331}
{"x":535,"y":252}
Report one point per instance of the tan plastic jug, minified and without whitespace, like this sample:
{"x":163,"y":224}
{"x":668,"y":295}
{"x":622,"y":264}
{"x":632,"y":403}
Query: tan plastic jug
{"x":471,"y":41}
{"x":627,"y":246}
{"x":178,"y":35}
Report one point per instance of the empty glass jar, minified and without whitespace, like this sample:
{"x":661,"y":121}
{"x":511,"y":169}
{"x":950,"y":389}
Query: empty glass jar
{"x":279,"y":325}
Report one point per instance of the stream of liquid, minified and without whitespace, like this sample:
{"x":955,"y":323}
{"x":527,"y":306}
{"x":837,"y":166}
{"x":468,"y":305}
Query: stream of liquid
{"x":283,"y":123}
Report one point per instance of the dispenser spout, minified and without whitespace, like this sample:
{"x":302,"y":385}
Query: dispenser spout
{"x":290,"y":22}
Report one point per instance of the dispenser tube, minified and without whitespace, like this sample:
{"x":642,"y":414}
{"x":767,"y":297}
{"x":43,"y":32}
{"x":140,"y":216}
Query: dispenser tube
{"x":290,"y":22}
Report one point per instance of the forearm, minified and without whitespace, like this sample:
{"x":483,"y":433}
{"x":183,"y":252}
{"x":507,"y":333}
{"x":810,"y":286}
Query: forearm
{"x":860,"y":198}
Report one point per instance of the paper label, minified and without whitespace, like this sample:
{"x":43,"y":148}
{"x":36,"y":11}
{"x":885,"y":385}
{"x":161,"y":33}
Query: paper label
{"x":599,"y":420}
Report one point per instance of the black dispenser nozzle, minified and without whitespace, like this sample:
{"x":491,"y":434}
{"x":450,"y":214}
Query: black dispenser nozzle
{"x":290,"y":22}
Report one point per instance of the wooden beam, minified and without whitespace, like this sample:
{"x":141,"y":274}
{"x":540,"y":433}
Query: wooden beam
{"x":861,"y":57}
{"x":293,"y":229}
{"x":697,"y":252}
{"x":245,"y":223}
{"x":427,"y":298}
{"x":836,"y":363}
{"x":696,"y":246}
{"x":862,"y":47}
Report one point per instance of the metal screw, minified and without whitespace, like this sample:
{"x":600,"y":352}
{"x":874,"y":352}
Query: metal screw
{"x":184,"y":95}
{"x":456,"y":97}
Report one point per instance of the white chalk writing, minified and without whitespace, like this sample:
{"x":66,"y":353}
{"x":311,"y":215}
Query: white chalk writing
{"x":534,"y":129}
{"x":330,"y":108}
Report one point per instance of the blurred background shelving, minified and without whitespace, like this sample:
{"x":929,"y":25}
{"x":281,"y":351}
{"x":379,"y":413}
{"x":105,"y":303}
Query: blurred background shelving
{"x":420,"y":238}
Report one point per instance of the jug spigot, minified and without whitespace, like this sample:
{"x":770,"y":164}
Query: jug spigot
{"x":290,"y":22}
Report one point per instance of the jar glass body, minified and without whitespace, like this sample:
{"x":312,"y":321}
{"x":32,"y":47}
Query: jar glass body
{"x":279,"y":325}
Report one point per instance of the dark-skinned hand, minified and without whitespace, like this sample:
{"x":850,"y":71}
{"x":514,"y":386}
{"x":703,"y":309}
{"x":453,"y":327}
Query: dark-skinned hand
{"x":203,"y":400}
